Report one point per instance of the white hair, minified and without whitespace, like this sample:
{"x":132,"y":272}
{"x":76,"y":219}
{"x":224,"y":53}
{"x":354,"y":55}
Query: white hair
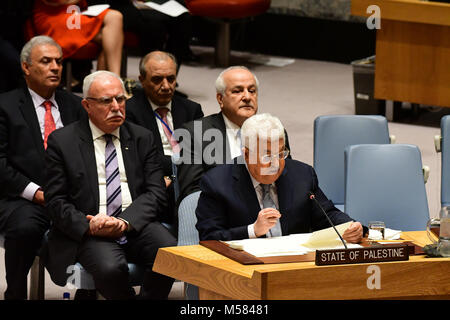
{"x":263,"y":127}
{"x":220,"y":82}
{"x":89,"y":79}
{"x":25,"y":54}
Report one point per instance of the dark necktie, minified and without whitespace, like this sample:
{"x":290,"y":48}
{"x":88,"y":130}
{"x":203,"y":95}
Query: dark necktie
{"x":268,"y":202}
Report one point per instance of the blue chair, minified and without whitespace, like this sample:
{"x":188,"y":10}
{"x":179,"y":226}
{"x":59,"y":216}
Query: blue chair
{"x":386,"y":183}
{"x":187,"y":232}
{"x":332,"y":134}
{"x":442,"y":144}
{"x":37,"y":276}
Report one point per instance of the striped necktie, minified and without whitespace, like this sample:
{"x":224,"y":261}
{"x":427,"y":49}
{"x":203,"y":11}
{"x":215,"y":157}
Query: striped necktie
{"x":113,"y":190}
{"x":268,"y":202}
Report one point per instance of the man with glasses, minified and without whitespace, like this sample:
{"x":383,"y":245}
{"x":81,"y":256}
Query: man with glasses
{"x":106,"y":193}
{"x":267,"y":195}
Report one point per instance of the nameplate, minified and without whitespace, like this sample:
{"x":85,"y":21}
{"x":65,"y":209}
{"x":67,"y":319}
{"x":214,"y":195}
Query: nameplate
{"x":376,"y":254}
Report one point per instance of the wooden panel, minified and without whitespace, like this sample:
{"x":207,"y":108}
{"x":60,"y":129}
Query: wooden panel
{"x":413,"y":63}
{"x":206,"y":275}
{"x":219,"y":277}
{"x":397,"y":279}
{"x":406,"y":10}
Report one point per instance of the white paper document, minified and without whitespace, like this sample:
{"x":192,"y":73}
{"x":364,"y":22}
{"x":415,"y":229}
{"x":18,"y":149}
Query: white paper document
{"x":171,"y":8}
{"x":95,"y":10}
{"x":294,"y":244}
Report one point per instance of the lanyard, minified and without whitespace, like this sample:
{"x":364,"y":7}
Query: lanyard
{"x":162,"y":121}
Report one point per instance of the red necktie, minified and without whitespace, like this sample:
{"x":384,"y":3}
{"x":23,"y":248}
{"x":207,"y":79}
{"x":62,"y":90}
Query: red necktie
{"x":49,"y":122}
{"x":163,"y":114}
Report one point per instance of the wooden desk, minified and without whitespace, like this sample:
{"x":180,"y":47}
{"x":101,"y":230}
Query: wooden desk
{"x":221,"y":278}
{"x":412,"y":50}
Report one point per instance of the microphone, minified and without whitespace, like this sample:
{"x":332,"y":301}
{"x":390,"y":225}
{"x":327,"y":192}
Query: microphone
{"x":313,"y":197}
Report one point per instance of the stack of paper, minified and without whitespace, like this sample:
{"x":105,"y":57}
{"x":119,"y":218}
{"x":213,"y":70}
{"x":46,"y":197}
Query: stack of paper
{"x":294,"y":244}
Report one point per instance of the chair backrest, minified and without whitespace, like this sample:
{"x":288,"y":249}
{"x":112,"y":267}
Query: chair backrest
{"x":445,"y":161}
{"x":332,"y":134}
{"x":385,"y":183}
{"x":187,"y":233}
{"x":176,"y":185}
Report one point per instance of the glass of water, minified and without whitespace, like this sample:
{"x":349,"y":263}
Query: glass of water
{"x":376,"y":230}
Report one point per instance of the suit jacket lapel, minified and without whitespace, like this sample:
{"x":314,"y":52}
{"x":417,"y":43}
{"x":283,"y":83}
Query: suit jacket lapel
{"x":26,"y":106}
{"x":63,"y":111}
{"x":243,"y":187}
{"x":87,"y":151}
{"x":178,"y":113}
{"x":150,"y":118}
{"x":126,"y":145}
{"x":285,"y":199}
{"x":218,"y":122}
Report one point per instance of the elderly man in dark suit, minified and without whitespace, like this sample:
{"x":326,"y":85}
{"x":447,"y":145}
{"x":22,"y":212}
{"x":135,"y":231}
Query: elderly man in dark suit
{"x":105,"y":193}
{"x":27,"y":116}
{"x":267,"y":195}
{"x":159,"y":110}
{"x":215,"y":139}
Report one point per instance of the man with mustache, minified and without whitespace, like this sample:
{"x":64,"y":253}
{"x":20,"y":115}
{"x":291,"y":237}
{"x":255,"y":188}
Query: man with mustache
{"x":267,"y":195}
{"x":105,"y":195}
{"x":27,"y":116}
{"x":237,"y":95}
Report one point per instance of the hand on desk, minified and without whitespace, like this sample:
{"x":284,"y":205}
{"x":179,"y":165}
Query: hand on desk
{"x":267,"y":219}
{"x":354,"y":233}
{"x":102,"y":225}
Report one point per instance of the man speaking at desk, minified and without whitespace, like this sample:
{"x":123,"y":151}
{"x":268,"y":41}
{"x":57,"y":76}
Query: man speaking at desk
{"x":267,"y":195}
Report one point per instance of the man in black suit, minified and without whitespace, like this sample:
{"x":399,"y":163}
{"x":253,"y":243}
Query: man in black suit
{"x":27,"y":116}
{"x":105,"y":192}
{"x":215,"y":139}
{"x":159,"y":110}
{"x":268,"y":195}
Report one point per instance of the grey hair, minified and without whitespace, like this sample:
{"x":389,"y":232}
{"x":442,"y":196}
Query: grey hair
{"x":159,"y":55}
{"x":262,"y":126}
{"x":89,"y":79}
{"x":25,"y":54}
{"x":220,"y":82}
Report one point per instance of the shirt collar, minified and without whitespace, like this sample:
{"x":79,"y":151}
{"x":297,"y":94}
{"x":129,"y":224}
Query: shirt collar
{"x":154,"y":106}
{"x":255,"y":182}
{"x":229,"y":124}
{"x":97,"y":133}
{"x":38,"y":100}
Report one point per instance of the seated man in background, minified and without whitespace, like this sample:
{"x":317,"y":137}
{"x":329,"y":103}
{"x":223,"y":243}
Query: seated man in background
{"x":27,"y":116}
{"x":105,"y":199}
{"x":237,"y":94}
{"x":267,"y":195}
{"x":159,"y":110}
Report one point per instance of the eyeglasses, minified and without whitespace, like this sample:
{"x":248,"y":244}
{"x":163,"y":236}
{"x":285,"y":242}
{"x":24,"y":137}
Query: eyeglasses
{"x":108,"y":100}
{"x":265,"y":159}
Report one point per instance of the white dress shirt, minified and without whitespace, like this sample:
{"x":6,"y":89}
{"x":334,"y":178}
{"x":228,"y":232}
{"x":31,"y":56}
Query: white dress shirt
{"x":167,"y":147}
{"x":99,"y":147}
{"x":31,"y":188}
{"x":233,"y":137}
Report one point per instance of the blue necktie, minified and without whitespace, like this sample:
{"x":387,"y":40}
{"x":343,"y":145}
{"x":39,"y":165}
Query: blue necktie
{"x":275,"y":231}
